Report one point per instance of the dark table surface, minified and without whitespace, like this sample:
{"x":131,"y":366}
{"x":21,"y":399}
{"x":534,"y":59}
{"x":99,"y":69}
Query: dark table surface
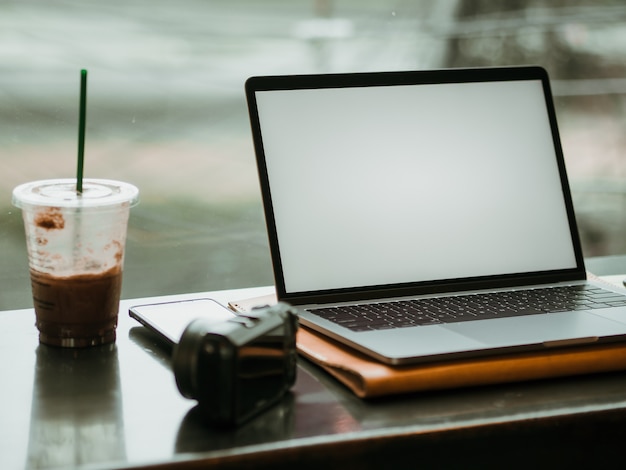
{"x":118,"y":406}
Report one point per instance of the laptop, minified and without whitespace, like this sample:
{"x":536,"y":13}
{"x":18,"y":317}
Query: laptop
{"x":395,"y":199}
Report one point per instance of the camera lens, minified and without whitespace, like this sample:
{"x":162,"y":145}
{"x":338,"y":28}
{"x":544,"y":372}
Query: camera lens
{"x":185,"y":360}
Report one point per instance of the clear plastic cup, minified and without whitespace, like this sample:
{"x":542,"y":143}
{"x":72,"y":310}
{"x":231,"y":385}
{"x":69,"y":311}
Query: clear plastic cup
{"x":76,"y":244}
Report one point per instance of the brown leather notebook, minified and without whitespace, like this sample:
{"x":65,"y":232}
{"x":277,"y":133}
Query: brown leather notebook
{"x":369,"y":378}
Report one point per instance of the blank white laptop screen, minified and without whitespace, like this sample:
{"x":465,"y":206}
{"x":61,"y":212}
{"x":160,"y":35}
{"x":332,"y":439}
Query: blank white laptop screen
{"x":393,"y":184}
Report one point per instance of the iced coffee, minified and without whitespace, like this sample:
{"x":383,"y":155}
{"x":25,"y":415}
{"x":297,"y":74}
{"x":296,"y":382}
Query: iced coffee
{"x":76,"y":242}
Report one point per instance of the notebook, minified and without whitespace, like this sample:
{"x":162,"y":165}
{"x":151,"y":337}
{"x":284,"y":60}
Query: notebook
{"x":395,"y":199}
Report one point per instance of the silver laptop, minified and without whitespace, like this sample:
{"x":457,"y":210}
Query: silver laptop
{"x":425,"y":216}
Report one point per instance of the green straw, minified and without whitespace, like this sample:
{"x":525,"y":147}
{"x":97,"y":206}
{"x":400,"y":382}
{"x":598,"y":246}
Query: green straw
{"x":81,"y":131}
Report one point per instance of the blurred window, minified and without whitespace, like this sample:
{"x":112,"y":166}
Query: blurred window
{"x":167,"y":112}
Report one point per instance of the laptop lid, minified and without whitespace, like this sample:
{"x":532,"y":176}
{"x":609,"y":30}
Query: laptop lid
{"x":399,"y":183}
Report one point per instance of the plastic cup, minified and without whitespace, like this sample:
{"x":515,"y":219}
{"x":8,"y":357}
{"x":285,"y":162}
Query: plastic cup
{"x":76,"y":245}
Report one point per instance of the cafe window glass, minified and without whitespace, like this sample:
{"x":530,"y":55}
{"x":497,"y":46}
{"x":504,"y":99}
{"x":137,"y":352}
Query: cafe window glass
{"x":166,"y":109}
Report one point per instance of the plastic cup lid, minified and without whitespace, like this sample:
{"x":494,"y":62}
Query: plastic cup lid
{"x":62,"y":193}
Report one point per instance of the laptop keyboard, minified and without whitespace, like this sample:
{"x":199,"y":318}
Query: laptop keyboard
{"x":458,"y":308}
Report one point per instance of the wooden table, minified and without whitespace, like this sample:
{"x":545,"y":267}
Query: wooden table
{"x":118,"y":407}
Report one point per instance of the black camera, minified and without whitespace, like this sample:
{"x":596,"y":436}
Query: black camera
{"x":237,"y":368}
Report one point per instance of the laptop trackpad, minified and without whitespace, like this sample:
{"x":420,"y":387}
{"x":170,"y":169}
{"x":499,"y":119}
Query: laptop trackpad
{"x":537,"y":329}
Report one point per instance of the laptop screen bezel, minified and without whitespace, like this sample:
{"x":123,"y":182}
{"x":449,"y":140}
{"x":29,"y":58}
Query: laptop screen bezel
{"x":319,"y":81}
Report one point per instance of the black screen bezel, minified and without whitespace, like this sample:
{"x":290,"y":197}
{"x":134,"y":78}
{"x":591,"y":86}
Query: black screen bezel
{"x":318,"y":81}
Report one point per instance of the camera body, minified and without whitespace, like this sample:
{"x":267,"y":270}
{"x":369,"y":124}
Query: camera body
{"x":239,"y":367}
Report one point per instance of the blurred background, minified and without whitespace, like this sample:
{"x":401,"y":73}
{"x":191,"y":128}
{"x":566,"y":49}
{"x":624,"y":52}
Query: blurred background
{"x":166,"y":109}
